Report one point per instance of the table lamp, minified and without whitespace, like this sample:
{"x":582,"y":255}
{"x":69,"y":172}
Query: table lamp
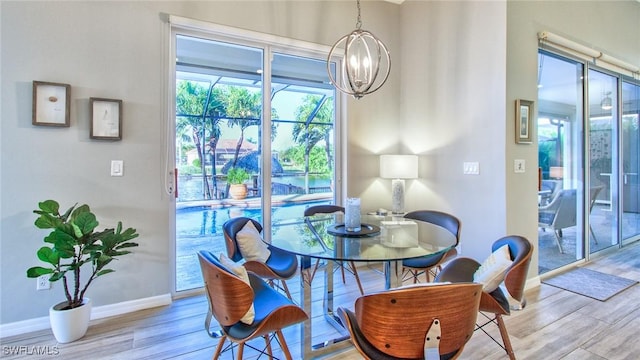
{"x":398,"y":168}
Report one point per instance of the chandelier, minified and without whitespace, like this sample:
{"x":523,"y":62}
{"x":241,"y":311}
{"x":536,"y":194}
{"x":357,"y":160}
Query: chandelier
{"x":606,"y":103}
{"x":366,"y":63}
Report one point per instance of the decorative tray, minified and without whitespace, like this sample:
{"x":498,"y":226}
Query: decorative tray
{"x":365,"y":230}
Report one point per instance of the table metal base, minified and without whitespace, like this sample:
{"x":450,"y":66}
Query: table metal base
{"x":393,"y":278}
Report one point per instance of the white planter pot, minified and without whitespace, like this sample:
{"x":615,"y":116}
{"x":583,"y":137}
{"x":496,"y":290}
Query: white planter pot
{"x":70,"y":325}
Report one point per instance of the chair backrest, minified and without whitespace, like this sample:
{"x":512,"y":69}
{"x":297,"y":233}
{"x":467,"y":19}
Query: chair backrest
{"x":230,"y":228}
{"x":566,"y":212}
{"x":322,"y":209}
{"x":396,"y":321}
{"x":442,"y":219}
{"x":553,"y":186}
{"x":229,"y":297}
{"x":516,"y":275}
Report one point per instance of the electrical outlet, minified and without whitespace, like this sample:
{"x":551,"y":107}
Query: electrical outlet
{"x":43,"y":283}
{"x":471,"y":168}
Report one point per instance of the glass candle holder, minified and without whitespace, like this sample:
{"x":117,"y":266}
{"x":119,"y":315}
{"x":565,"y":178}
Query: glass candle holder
{"x":352,"y":215}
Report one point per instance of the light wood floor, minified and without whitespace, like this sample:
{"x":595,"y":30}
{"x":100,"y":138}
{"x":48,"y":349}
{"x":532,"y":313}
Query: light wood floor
{"x":556,"y":324}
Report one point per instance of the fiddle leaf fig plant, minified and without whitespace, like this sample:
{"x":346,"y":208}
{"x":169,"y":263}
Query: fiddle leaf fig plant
{"x":74,"y":242}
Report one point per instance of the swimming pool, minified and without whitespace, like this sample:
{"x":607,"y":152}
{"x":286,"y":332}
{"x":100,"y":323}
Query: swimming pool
{"x":200,"y":228}
{"x":204,"y":220}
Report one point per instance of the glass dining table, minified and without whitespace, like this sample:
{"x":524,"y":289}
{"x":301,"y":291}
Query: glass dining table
{"x":382,"y":239}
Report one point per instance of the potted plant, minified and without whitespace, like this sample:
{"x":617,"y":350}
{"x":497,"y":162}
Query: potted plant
{"x":72,"y":243}
{"x":237,"y":188}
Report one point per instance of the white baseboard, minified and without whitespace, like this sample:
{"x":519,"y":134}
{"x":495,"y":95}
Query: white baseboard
{"x":532,"y":283}
{"x":99,"y":312}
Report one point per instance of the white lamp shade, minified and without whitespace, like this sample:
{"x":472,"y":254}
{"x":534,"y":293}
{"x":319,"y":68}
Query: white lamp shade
{"x":399,"y":166}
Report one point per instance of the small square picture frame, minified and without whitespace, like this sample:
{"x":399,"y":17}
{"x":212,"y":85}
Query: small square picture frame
{"x":51,"y":104}
{"x":106,"y":119}
{"x":524,"y":121}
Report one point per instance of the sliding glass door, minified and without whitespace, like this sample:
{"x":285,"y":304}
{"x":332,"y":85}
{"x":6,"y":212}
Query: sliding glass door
{"x":603,"y":160}
{"x":255,"y":136}
{"x":560,"y":158}
{"x":588,"y":146}
{"x":630,"y":222}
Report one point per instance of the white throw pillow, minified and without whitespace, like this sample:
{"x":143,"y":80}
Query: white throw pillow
{"x":493,"y":270}
{"x":251,"y":245}
{"x":240,"y":272}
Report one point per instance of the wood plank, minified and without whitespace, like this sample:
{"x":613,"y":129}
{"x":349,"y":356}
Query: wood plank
{"x":555,"y":324}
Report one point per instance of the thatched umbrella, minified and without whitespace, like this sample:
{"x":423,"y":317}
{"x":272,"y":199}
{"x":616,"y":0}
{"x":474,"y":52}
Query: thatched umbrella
{"x":249,"y":162}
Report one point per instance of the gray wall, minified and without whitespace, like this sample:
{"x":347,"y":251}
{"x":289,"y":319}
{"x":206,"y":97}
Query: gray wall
{"x":609,"y":26}
{"x":458,"y":67}
{"x":120,"y":50}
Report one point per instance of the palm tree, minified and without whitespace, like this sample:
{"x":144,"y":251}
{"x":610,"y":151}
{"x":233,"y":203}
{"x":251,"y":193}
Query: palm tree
{"x":313,"y":114}
{"x":198,"y":109}
{"x":244,"y":108}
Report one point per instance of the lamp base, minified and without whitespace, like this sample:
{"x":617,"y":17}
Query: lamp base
{"x":397,"y":196}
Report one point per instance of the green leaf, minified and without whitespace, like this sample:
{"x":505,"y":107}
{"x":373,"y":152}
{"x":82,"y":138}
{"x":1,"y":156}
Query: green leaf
{"x":64,"y":244}
{"x":49,"y":206}
{"x":47,"y":255}
{"x":68,"y":212}
{"x":37,"y":271}
{"x":85,"y":222}
{"x":103,"y":260}
{"x":46,"y":221}
{"x":103,"y":272}
{"x":119,"y":253}
{"x":126,"y":245}
{"x":77,"y":232}
{"x":57,"y":276}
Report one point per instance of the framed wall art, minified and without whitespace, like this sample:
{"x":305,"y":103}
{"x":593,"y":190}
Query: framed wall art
{"x":524,"y":121}
{"x":106,"y":119}
{"x":51,"y":104}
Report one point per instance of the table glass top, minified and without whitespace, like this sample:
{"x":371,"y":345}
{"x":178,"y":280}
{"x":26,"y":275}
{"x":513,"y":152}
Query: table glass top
{"x":398,"y":238}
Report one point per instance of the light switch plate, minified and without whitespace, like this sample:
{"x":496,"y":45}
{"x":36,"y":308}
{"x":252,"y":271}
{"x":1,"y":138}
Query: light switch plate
{"x":518,"y":165}
{"x":117,"y":168}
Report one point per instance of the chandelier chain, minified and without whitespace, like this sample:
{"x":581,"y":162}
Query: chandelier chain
{"x":359,"y":22}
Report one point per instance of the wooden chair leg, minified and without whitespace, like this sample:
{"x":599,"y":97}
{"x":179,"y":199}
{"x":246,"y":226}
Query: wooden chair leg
{"x":355,"y":274}
{"x":342,"y":272}
{"x":240,"y":351}
{"x":268,"y":343}
{"x":505,"y":337}
{"x":283,"y":345}
{"x":216,"y":355}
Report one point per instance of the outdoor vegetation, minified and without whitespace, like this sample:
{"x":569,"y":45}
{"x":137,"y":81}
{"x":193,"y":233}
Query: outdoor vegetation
{"x":209,"y":114}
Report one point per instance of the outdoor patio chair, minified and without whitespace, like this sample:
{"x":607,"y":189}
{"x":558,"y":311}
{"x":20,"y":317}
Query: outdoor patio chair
{"x":559,"y":214}
{"x":593,"y":195}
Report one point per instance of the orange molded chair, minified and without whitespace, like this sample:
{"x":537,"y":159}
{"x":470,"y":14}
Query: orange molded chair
{"x":410,"y":322}
{"x":279,"y":266}
{"x":230,"y":298}
{"x":499,"y":302}
{"x":431,"y":264}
